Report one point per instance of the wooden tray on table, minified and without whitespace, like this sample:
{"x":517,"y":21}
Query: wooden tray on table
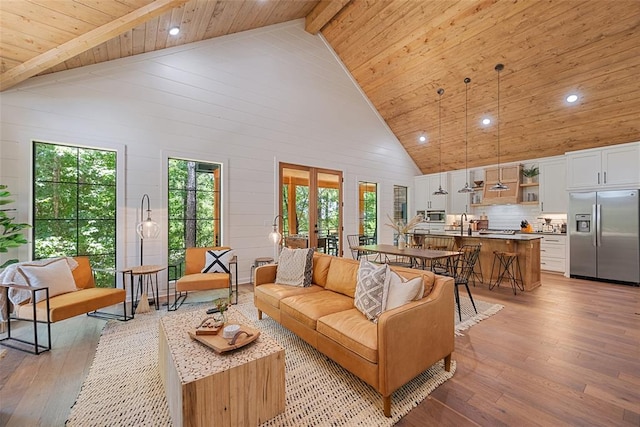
{"x":245,"y":335}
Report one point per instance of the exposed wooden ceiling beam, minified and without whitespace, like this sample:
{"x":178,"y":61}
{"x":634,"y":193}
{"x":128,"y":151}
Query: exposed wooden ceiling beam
{"x":85,"y":42}
{"x":322,"y":14}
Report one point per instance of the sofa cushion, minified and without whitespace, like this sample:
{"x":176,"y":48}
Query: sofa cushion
{"x":371,"y":288}
{"x":55,"y":274}
{"x":308,"y":308}
{"x":342,"y":276}
{"x":428,"y":277}
{"x":295,"y":267}
{"x":217,"y":261}
{"x":72,"y":304}
{"x":321,"y":263}
{"x":400,"y":291}
{"x":202,"y":281}
{"x":273,"y":293}
{"x":82,"y":274}
{"x":353,"y":331}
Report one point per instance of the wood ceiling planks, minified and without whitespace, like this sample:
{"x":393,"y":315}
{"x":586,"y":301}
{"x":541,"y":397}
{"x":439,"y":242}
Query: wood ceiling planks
{"x":400,"y":52}
{"x":549,"y":48}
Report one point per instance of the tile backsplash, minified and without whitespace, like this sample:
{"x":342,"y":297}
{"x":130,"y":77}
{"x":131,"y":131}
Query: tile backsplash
{"x":508,"y":217}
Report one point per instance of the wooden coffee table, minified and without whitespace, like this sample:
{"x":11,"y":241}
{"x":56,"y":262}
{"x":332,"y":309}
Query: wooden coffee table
{"x":243,"y":387}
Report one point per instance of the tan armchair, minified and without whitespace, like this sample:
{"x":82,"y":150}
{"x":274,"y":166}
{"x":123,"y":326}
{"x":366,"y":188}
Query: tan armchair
{"x":86,"y":299}
{"x":195,"y":280}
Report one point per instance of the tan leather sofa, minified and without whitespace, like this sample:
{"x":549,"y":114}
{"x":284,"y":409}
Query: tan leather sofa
{"x":403,"y":343}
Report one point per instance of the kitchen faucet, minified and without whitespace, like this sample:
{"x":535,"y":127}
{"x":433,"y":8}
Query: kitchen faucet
{"x":462,"y":223}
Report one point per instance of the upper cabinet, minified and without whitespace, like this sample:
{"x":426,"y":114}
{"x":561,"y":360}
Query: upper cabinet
{"x":610,"y":167}
{"x":458,"y":202}
{"x":509,"y":176}
{"x":553,"y":194}
{"x":425,"y":186}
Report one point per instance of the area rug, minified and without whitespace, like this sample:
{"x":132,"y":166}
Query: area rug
{"x":124,"y":388}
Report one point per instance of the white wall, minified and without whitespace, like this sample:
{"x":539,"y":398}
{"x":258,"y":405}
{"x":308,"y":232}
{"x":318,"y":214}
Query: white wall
{"x":249,"y":100}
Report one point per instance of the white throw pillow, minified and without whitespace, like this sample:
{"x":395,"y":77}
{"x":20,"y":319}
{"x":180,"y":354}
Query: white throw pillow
{"x":401,"y":291}
{"x":56,"y":275}
{"x":295,"y":267}
{"x":217,"y":261}
{"x":371,"y":288}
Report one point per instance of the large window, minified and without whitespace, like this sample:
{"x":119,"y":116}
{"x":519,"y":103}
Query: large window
{"x":399,"y":206}
{"x":74,"y":191}
{"x":194,"y":206}
{"x":368,"y":209}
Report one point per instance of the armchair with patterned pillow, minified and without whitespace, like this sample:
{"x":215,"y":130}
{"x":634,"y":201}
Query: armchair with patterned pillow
{"x":205,"y":269}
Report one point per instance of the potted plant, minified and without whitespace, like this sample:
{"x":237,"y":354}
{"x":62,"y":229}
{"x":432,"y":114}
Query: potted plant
{"x":10,"y":232}
{"x":530,"y":174}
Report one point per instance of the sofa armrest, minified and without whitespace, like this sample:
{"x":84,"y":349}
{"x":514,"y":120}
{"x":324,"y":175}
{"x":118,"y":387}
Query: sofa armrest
{"x":414,"y":336}
{"x":265,"y":274}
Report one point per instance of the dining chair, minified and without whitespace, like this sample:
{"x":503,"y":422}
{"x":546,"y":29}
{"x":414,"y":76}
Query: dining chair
{"x":439,"y":243}
{"x":462,"y":270}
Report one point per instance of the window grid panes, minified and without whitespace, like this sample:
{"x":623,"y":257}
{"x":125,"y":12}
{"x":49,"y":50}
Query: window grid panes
{"x":194,"y":207}
{"x":368,"y":209}
{"x":74,"y":205}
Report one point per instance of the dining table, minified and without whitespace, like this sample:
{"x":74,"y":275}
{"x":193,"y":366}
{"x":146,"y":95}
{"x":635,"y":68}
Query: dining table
{"x":427,"y":256}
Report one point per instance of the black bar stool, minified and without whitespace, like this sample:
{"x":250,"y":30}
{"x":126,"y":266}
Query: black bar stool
{"x":508,"y":268}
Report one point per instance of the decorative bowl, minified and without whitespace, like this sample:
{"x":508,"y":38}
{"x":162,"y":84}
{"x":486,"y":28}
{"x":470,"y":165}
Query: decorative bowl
{"x":478,"y":183}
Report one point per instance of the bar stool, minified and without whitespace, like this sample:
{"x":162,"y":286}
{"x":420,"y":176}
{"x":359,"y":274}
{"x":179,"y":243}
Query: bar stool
{"x":508,"y":268}
{"x":257,"y":263}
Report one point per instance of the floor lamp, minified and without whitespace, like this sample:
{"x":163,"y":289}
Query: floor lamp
{"x":146,"y":228}
{"x":275,"y":235}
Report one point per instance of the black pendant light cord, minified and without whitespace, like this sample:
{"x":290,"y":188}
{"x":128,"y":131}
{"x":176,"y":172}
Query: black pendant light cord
{"x":467,"y":80}
{"x":499,"y":67}
{"x":440,"y":93}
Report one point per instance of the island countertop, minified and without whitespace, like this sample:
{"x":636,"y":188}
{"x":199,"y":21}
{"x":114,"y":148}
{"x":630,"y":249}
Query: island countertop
{"x":525,"y":245}
{"x":477,"y":234}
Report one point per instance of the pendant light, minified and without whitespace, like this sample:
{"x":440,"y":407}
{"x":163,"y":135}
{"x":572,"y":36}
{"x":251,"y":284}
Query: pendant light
{"x":499,"y":186}
{"x":440,"y":191}
{"x":466,"y":188}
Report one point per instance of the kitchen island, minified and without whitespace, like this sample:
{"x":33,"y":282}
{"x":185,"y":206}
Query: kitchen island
{"x":527,"y":246}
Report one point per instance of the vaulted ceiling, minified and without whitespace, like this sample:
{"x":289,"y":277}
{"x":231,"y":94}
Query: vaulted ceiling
{"x":400,"y":52}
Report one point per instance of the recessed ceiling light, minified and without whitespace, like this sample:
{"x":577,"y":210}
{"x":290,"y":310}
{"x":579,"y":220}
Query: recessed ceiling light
{"x":422,"y":138}
{"x":174,"y":31}
{"x":572,"y":98}
{"x":486,"y":121}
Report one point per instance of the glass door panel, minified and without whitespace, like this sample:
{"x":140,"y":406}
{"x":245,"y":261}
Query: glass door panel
{"x":328,"y":212}
{"x":311,"y":208}
{"x":295,"y":206}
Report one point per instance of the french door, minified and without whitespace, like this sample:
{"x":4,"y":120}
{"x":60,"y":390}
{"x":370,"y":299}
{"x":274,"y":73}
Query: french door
{"x":311,"y":208}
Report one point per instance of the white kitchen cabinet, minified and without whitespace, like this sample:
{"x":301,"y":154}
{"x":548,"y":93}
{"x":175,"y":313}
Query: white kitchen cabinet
{"x":458,"y":202}
{"x":553,"y":253}
{"x":425,"y":185}
{"x":553,"y":184}
{"x":609,"y":167}
{"x":421,"y":188}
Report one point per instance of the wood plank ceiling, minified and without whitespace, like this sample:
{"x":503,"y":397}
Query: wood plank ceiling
{"x":400,"y":52}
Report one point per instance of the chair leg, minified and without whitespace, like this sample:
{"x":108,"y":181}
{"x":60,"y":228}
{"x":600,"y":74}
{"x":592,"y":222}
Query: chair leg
{"x":386,"y":402}
{"x":447,"y":363}
{"x":457,"y":295}
{"x":471,"y":298}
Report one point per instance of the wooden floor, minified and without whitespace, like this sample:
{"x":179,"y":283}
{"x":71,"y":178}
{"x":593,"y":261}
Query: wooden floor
{"x":567,"y":353}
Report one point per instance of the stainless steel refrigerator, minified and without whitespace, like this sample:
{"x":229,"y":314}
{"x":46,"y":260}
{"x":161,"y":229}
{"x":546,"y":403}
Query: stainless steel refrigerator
{"x":604,"y":235}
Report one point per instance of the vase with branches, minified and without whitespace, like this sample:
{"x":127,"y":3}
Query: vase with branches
{"x":402,"y":228}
